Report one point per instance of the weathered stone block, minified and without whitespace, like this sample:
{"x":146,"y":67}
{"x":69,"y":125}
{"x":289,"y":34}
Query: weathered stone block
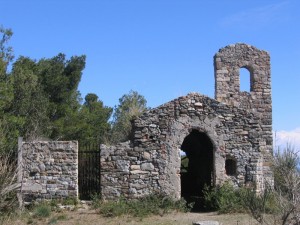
{"x":135,"y":167}
{"x":147,"y":166}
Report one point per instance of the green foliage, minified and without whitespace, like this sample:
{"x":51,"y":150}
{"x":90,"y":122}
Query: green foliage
{"x":29,"y":102}
{"x":6,"y":91}
{"x":261,"y":204}
{"x":227,"y":199}
{"x":89,"y":125}
{"x":8,"y":185}
{"x":59,"y":79}
{"x":40,"y":99}
{"x":278,"y":205}
{"x":55,"y":219}
{"x":152,"y":204}
{"x":224,"y":199}
{"x":287,"y":184}
{"x":63,"y":201}
{"x":9,"y":132}
{"x":6,"y":52}
{"x":131,"y":105}
{"x":42,"y":210}
{"x":285,"y":168}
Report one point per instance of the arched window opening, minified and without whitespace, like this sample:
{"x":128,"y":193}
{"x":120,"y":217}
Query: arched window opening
{"x":230,"y":167}
{"x":245,"y":80}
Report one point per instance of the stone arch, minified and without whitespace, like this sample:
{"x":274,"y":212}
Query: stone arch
{"x":200,"y":166}
{"x":179,"y":130}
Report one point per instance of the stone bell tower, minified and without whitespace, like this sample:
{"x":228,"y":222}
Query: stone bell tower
{"x":227,"y":64}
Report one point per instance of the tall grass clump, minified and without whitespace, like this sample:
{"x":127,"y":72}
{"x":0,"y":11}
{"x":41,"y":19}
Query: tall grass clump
{"x":152,"y":204}
{"x":42,"y":210}
{"x":8,"y":185}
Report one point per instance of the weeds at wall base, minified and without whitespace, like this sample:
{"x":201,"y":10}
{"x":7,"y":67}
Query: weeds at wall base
{"x":150,"y":205}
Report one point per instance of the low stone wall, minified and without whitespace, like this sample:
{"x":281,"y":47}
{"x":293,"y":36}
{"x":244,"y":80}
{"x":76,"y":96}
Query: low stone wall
{"x":48,"y":169}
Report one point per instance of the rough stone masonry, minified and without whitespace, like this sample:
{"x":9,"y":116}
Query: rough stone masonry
{"x":228,"y":138}
{"x":48,"y":170}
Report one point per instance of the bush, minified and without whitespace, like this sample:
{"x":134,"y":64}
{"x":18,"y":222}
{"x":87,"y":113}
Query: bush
{"x":287,"y":184}
{"x":227,"y":199}
{"x":152,"y":204}
{"x":259,"y":205}
{"x":282,"y":201}
{"x":224,"y":198}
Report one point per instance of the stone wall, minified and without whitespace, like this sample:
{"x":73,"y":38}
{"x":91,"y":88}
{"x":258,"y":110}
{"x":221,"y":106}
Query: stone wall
{"x":48,"y":169}
{"x":238,"y":124}
{"x":151,"y":163}
{"x":126,"y":171}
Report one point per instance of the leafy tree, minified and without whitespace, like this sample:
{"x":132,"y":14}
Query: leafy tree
{"x":6,"y":52}
{"x":59,"y":80}
{"x":96,"y":119}
{"x":6,"y":92}
{"x":36,"y":98}
{"x":131,"y":105}
{"x":41,"y":99}
{"x":90,"y":124}
{"x":6,"y":56}
{"x":29,"y":102}
{"x":90,"y":101}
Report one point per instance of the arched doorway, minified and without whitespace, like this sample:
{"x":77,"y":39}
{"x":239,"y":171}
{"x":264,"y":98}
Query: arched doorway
{"x":196,"y":167}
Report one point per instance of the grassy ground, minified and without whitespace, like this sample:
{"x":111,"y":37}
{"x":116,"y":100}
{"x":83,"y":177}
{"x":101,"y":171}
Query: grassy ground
{"x":91,"y":217}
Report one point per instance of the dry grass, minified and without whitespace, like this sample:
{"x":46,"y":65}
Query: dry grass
{"x":8,"y":185}
{"x":91,"y":217}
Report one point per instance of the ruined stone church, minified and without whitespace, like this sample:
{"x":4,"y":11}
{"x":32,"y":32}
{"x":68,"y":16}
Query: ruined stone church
{"x":228,"y":138}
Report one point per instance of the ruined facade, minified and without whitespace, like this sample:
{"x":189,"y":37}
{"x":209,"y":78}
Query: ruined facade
{"x":228,"y":138}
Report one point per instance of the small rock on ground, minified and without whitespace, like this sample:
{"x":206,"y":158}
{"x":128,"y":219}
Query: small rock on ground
{"x":206,"y":223}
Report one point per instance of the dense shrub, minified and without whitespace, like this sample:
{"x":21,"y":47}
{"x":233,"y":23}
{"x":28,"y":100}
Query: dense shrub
{"x":224,"y":198}
{"x":227,"y":199}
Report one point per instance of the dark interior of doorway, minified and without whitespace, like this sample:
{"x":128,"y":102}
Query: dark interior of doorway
{"x":196,"y":167}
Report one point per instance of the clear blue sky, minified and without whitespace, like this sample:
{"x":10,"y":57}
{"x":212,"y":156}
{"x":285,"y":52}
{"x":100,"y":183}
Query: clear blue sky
{"x":162,"y":48}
